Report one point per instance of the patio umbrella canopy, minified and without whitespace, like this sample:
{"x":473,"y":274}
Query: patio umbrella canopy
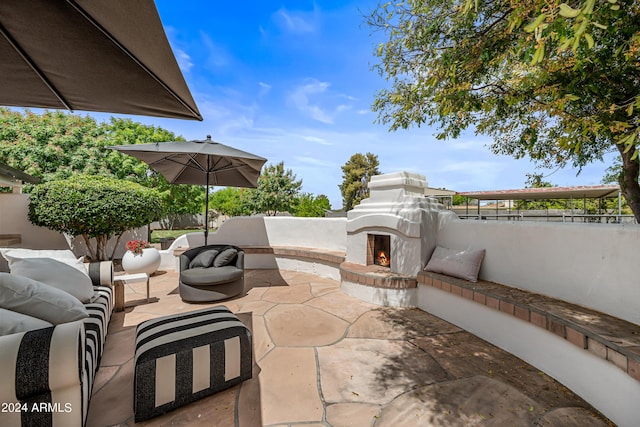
{"x":199,"y":162}
{"x":110,"y":56}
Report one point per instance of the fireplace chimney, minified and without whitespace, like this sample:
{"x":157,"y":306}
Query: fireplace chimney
{"x":398,"y":210}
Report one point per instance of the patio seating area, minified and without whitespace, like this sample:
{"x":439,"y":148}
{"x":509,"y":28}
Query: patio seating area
{"x":324,"y":358}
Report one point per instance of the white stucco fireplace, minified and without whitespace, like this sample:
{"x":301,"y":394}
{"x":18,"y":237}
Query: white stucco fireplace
{"x":391,"y":234}
{"x":397,"y":208}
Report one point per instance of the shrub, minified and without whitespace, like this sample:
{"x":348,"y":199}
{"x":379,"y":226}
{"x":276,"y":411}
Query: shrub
{"x":94,"y":207}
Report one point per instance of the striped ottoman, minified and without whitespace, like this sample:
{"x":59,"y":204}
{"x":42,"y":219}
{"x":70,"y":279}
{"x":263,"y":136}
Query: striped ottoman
{"x":185,"y":357}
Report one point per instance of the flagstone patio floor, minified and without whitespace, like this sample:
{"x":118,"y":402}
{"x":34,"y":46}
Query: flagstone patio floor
{"x":323,"y":358}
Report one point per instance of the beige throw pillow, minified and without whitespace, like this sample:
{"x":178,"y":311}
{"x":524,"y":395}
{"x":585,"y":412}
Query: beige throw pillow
{"x":464,"y":264}
{"x":57,"y":274}
{"x":62,"y":255}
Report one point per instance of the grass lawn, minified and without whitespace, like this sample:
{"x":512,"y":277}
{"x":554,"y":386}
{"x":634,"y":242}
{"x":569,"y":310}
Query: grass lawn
{"x":156,"y":235}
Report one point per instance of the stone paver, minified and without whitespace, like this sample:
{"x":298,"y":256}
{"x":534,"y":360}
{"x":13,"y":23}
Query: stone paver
{"x":323,"y":358}
{"x":352,"y":414}
{"x":571,"y":417}
{"x":297,"y":325}
{"x":289,"y":386}
{"x":466,"y":402}
{"x":344,"y":306}
{"x":374,"y":371}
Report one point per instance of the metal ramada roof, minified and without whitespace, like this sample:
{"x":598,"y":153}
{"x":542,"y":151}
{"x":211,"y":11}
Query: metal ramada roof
{"x":588,"y":191}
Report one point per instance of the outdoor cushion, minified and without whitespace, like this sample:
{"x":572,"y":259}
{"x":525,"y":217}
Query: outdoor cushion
{"x":62,"y":255}
{"x":12,"y":322}
{"x":211,"y":276}
{"x":36,"y":299}
{"x":457,"y":263}
{"x":204,"y":259}
{"x":225,"y":257}
{"x":57,"y":274}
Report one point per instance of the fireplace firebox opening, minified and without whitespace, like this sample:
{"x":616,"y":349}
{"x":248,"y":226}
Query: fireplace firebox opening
{"x":379,"y":250}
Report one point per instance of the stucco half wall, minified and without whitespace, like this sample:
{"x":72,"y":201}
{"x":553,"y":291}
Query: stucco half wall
{"x":593,"y":265}
{"x":320,"y":233}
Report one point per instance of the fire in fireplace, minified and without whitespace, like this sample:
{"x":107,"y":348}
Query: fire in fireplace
{"x":379,"y":250}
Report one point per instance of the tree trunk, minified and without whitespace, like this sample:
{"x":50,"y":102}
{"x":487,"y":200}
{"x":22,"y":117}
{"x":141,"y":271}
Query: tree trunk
{"x":628,"y":180}
{"x":115,"y":246}
{"x":87,"y":241}
{"x":101,"y":248}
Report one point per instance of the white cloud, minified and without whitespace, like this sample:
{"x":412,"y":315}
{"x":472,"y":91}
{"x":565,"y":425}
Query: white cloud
{"x":294,"y":22}
{"x":313,"y":161}
{"x":184,"y":60}
{"x":300,"y":98}
{"x":264,"y":88}
{"x":317,"y":140}
{"x":217,"y":55}
{"x":309,"y":96}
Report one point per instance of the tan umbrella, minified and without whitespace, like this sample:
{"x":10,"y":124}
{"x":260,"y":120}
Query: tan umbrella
{"x":200,"y":162}
{"x":111,"y":56}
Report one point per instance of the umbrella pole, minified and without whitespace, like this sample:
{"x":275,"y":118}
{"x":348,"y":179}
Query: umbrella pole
{"x":206,"y":209}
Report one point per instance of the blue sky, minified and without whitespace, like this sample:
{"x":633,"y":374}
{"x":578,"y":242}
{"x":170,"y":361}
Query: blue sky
{"x":291,"y":81}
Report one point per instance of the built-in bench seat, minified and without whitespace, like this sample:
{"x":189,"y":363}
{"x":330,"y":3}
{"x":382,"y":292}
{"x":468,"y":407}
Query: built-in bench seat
{"x":310,"y":254}
{"x":608,"y":337}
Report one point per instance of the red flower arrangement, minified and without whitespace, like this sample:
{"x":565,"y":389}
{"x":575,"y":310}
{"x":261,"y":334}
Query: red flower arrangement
{"x":136,"y":246}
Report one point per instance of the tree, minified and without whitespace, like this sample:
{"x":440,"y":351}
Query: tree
{"x":231,"y":201}
{"x":57,"y":145}
{"x":558,"y":84}
{"x":308,"y":205}
{"x":178,"y":200}
{"x":356,"y":174}
{"x":277,"y":190}
{"x":93,"y":207}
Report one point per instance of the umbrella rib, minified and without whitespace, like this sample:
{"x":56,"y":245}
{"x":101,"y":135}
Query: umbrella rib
{"x":34,"y":67}
{"x":184,"y":165}
{"x":126,"y":51}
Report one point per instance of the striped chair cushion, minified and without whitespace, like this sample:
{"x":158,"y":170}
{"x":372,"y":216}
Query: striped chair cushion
{"x":50,"y":372}
{"x":96,"y":332}
{"x":182,"y":358}
{"x":42,"y":371}
{"x":100,"y":272}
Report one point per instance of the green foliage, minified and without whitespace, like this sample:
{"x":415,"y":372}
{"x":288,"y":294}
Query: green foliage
{"x":57,"y":145}
{"x":308,"y":205}
{"x":231,"y":201}
{"x":277,"y":190}
{"x":356,"y":174}
{"x":180,"y":199}
{"x":556,"y":82}
{"x":156,"y":235}
{"x":53,"y":145}
{"x":457,"y":200}
{"x":93,"y":207}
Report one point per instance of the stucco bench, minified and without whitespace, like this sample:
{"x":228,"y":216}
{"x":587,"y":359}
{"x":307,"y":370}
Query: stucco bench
{"x":608,"y":337}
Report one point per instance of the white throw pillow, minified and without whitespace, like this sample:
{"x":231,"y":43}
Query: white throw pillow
{"x":62,"y":255}
{"x":36,"y":299}
{"x":57,"y":274}
{"x":456,"y":263}
{"x":12,"y":322}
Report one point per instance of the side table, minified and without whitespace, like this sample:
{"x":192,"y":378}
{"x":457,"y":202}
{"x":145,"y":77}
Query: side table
{"x":119,"y":282}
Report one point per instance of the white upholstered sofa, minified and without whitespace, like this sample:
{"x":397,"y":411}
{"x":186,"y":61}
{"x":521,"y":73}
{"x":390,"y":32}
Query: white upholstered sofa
{"x":51,"y":342}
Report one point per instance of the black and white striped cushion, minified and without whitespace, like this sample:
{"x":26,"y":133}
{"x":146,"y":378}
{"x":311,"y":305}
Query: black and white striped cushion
{"x":100,"y":272}
{"x":96,"y":333}
{"x":50,"y":372}
{"x":184,"y":357}
{"x":42,"y":372}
